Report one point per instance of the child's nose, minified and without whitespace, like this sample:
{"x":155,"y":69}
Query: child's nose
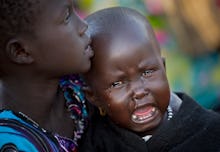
{"x":83,"y":26}
{"x":83,"y":29}
{"x":139,"y":90}
{"x":139,"y":93}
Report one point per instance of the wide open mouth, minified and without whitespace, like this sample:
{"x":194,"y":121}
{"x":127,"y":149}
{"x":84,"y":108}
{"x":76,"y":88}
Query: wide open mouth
{"x":144,"y":114}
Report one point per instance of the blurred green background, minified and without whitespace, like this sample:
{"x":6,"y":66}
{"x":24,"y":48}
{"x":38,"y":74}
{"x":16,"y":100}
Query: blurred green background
{"x":189,"y":36}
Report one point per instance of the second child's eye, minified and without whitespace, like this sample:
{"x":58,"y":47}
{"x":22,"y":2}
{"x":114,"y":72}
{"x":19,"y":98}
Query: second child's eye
{"x":116,"y":84}
{"x":147,"y":73}
{"x":67,"y":16}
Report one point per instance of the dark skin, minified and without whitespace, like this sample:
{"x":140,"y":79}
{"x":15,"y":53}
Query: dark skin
{"x":33,"y":64}
{"x":128,"y":77}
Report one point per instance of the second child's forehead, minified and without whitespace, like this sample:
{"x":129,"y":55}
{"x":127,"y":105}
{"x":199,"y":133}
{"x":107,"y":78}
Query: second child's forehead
{"x":130,"y":48}
{"x":127,"y":37}
{"x":126,"y":45}
{"x":123,"y":32}
{"x":122,"y":46}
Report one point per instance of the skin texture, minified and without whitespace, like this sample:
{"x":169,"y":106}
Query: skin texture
{"x":127,"y":75}
{"x":32,"y":63}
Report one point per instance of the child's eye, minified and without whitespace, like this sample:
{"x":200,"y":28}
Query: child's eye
{"x":116,"y":84}
{"x":67,"y":16}
{"x":147,"y":73}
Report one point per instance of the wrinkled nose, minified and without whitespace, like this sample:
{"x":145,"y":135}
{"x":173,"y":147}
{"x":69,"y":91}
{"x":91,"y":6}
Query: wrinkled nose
{"x":139,"y":93}
{"x":139,"y":90}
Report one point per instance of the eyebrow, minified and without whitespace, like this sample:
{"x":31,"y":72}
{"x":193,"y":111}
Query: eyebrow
{"x":146,"y":63}
{"x":119,"y":74}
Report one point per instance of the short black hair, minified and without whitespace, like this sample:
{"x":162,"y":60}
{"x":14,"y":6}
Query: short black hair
{"x":16,"y":16}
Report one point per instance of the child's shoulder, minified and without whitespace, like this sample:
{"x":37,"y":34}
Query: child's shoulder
{"x":19,"y":132}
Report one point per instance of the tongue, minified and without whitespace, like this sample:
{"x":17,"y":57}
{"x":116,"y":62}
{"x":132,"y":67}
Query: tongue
{"x":143,"y":111}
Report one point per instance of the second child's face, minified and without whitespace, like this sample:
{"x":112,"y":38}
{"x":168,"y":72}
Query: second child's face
{"x":131,"y":85}
{"x":60,"y":43}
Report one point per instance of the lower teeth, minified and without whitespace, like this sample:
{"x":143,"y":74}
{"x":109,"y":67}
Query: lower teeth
{"x":135,"y":117}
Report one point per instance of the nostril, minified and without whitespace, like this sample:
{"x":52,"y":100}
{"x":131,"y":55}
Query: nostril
{"x":139,"y":94}
{"x":139,"y":89}
{"x":139,"y":98}
{"x":83,"y":29}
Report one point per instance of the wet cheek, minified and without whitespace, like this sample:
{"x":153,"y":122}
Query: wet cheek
{"x":163,"y":97}
{"x":119,"y":97}
{"x":118,"y":104}
{"x":118,"y":115}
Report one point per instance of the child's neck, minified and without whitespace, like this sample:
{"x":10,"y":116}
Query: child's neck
{"x":42,"y":101}
{"x":35,"y":99}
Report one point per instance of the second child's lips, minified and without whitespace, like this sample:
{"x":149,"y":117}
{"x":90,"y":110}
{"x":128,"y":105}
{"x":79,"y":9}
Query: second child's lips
{"x":143,"y":111}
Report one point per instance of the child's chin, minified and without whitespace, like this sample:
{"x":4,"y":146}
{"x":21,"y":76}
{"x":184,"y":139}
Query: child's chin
{"x":147,"y":128}
{"x":86,"y":67}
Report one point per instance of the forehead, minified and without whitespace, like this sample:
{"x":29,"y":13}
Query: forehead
{"x":130,"y":40}
{"x":54,"y":2}
{"x":124,"y":52}
{"x":129,"y":32}
{"x":50,"y":12}
{"x":130,"y":53}
{"x":53,"y":6}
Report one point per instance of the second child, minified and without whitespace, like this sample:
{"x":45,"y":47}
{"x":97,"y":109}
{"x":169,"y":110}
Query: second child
{"x":129,"y":86}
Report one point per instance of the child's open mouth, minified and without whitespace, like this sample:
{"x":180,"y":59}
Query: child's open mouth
{"x":143,"y":114}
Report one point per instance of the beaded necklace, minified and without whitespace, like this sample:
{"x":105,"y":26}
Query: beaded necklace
{"x":75,"y":102}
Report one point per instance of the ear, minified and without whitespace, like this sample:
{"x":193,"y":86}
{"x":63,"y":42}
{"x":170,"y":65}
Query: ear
{"x":90,"y":96}
{"x":17,"y":52}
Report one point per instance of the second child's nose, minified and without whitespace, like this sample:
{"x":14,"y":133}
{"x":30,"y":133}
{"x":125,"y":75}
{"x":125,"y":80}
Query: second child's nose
{"x":139,"y":93}
{"x":139,"y":90}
